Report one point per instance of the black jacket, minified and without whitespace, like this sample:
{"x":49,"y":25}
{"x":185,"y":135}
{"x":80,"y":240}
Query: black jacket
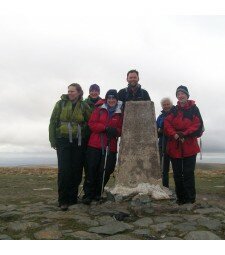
{"x":127,"y":94}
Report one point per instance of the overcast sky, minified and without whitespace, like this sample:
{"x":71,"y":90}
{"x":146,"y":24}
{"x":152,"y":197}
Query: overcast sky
{"x":46,"y":46}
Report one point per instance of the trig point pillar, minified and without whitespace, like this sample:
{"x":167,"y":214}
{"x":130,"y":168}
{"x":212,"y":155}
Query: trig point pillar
{"x":138,"y":160}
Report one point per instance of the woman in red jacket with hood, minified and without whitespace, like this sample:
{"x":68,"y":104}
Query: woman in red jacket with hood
{"x":182,"y":127}
{"x":105,"y":124}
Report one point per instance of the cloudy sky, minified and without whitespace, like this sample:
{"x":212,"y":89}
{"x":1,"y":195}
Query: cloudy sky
{"x":46,"y":45}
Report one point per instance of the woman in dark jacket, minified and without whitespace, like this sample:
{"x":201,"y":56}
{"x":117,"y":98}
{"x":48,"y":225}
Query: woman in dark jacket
{"x":182,"y":126}
{"x":105,"y":125}
{"x":67,"y":135}
{"x":167,"y":105}
{"x":93,"y":98}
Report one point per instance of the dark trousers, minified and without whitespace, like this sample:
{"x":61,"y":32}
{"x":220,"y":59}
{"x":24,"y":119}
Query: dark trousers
{"x":165,"y":167}
{"x":95,"y":168}
{"x":184,"y":178}
{"x":70,"y":167}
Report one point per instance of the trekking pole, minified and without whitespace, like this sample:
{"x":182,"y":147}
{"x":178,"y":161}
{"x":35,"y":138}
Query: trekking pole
{"x":81,"y":190}
{"x":200,"y":148}
{"x":182,"y":155}
{"x":163,"y":155}
{"x":105,"y":162}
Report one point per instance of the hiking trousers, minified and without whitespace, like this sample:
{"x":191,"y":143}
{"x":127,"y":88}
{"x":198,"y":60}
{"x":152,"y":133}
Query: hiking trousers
{"x":165,"y":167}
{"x":184,"y":178}
{"x":95,"y":168}
{"x":70,"y":167}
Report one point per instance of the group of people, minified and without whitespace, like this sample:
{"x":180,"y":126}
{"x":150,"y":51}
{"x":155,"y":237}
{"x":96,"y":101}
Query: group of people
{"x":85,"y":135}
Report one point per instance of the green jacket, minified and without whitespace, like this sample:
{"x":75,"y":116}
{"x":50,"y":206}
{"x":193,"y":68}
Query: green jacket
{"x":91,"y":102}
{"x":63,"y":114}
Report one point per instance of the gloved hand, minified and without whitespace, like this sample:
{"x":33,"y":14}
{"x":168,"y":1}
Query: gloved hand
{"x":181,"y":135}
{"x":111,"y":132}
{"x":160,"y":131}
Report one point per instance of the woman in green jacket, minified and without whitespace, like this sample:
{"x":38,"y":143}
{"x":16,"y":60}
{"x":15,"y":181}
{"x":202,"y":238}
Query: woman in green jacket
{"x":67,"y":131}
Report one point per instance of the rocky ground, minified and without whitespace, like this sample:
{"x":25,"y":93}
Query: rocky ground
{"x":28,"y":210}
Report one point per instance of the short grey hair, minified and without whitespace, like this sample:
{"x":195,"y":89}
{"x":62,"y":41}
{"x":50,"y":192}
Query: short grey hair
{"x":163,"y":100}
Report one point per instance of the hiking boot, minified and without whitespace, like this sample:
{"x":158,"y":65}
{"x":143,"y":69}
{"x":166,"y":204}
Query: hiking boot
{"x":86,"y":200}
{"x":180,"y":202}
{"x":190,"y":201}
{"x":64,"y":207}
{"x":73,"y":202}
{"x":97,"y":198}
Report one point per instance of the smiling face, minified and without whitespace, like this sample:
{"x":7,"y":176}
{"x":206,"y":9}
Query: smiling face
{"x":166,"y":105}
{"x":111,"y":101}
{"x":94,"y":94}
{"x":132,"y":79}
{"x":182,"y":97}
{"x":73,"y":94}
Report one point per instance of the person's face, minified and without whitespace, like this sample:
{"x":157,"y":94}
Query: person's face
{"x":111,"y":101}
{"x":132,"y":79}
{"x":73,"y":94}
{"x":166,"y":105}
{"x":94,"y":94}
{"x":182,"y":97}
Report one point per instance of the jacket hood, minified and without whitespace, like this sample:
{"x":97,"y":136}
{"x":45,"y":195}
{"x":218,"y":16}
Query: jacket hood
{"x":64,"y":97}
{"x":188,"y":105}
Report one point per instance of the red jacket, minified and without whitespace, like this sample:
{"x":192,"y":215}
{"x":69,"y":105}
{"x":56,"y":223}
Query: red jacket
{"x":174,"y":123}
{"x":98,"y":122}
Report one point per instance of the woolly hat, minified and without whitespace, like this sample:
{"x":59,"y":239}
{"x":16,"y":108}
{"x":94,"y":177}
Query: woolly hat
{"x":112,"y":93}
{"x":183,"y":89}
{"x":94,"y":87}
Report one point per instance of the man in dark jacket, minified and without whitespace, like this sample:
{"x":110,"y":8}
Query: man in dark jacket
{"x":133,"y":92}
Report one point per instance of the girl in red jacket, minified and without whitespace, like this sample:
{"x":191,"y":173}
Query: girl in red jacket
{"x":105,"y":124}
{"x":182,"y":127}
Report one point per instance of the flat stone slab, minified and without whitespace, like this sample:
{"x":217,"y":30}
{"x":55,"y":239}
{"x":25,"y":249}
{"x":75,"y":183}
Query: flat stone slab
{"x":18,"y":226}
{"x":209,"y":210}
{"x":143,"y":223}
{"x":161,"y":219}
{"x":143,"y":233}
{"x":172,"y":238}
{"x":201,"y":235}
{"x":211,"y":224}
{"x":185,"y":226}
{"x":2,"y":229}
{"x":84,"y":220}
{"x":120,"y":237}
{"x":161,"y":226}
{"x":51,"y":233}
{"x":5,"y":237}
{"x":83,"y":235}
{"x":111,"y":228}
{"x":104,"y":220}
